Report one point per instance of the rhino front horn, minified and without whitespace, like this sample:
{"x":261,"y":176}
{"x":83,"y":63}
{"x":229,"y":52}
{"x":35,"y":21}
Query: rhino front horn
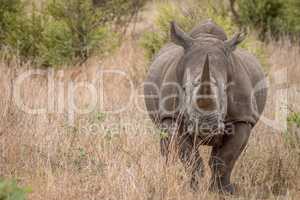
{"x":205,"y":88}
{"x":205,"y":77}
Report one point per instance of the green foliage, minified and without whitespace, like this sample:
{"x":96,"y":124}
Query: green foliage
{"x":294,"y":118}
{"x":84,"y":23}
{"x":119,"y":11}
{"x":152,"y":43}
{"x":73,"y":31}
{"x":271,"y":17}
{"x":56,"y":48}
{"x":163,"y":135}
{"x":65,"y":31}
{"x":292,"y":17}
{"x":11,"y":12}
{"x":292,"y":135}
{"x":100,"y":116}
{"x":26,"y":36}
{"x":9,"y":190}
{"x":262,"y":15}
{"x":80,"y":158}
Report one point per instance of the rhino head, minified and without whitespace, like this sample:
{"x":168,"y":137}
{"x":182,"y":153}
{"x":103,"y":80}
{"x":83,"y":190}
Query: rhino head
{"x":203,"y":73}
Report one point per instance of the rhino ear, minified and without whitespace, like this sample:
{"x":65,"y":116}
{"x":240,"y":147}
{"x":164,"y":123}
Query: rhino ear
{"x":179,"y":37}
{"x":231,"y":44}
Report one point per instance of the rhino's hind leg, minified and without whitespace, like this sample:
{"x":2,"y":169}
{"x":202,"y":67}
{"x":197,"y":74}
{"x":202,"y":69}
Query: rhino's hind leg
{"x":224,"y":157}
{"x":191,"y":159}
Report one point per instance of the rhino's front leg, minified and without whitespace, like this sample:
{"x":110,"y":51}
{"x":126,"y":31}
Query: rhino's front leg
{"x":188,"y":151}
{"x":224,"y":157}
{"x":190,"y":157}
{"x":169,"y":129}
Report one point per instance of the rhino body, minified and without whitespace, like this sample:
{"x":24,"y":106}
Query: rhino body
{"x":245,"y":98}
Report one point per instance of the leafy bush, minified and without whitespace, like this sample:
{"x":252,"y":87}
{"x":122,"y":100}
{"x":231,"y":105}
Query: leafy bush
{"x":56,"y":48}
{"x":292,"y":17}
{"x":271,"y":17}
{"x":11,"y":12}
{"x":263,"y":15}
{"x":15,"y":30}
{"x":66,"y":31}
{"x":122,"y":12}
{"x":9,"y":190}
{"x":26,"y":36}
{"x":84,"y":23}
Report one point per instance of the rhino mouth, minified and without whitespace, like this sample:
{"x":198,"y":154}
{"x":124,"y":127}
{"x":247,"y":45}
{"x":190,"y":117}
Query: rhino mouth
{"x":205,"y":124}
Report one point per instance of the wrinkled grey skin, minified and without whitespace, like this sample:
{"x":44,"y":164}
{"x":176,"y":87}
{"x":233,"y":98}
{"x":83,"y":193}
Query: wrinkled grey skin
{"x":202,"y":78}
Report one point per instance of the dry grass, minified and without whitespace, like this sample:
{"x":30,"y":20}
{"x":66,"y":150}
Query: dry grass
{"x":116,"y":156}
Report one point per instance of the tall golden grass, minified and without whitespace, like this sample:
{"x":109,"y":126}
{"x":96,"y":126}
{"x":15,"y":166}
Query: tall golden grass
{"x":116,"y":156}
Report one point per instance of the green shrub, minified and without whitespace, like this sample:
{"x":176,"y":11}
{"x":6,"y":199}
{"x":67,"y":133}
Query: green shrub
{"x":152,"y":43}
{"x":24,"y":39}
{"x":291,"y":23}
{"x":85,"y":25}
{"x":56,"y":48}
{"x":65,"y":31}
{"x":121,"y":12}
{"x":9,"y":190}
{"x":263,"y":15}
{"x":271,"y":17}
{"x":11,"y":12}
